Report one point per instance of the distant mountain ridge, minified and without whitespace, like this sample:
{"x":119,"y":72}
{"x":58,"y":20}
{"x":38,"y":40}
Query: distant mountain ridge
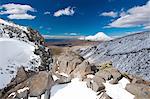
{"x":129,"y":54}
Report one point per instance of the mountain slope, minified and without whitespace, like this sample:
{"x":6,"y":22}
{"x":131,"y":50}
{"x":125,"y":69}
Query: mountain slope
{"x":129,"y":54}
{"x":20,"y":46}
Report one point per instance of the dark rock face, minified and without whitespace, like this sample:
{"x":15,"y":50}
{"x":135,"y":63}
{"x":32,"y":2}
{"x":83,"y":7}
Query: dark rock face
{"x":128,"y":54}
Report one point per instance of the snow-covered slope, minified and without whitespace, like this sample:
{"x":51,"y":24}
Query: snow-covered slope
{"x":13,"y":54}
{"x":13,"y":25}
{"x":129,"y":54}
{"x":100,"y":36}
{"x":20,"y":46}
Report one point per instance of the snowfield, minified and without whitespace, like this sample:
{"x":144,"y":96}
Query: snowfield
{"x":74,"y":90}
{"x":15,"y":53}
{"x":78,"y":90}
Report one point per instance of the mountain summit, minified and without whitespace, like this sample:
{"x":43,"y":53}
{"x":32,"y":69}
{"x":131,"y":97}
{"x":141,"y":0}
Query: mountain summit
{"x":100,"y":36}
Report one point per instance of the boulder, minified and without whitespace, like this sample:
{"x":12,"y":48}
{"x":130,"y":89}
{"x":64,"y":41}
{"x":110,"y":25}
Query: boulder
{"x":105,"y":96}
{"x":21,"y":75}
{"x":139,"y":90}
{"x":88,"y":82}
{"x":104,"y":74}
{"x":97,"y":86}
{"x":39,"y":83}
{"x":98,"y":79}
{"x":115,"y":74}
{"x":63,"y":80}
{"x":68,"y":61}
{"x":82,"y":70}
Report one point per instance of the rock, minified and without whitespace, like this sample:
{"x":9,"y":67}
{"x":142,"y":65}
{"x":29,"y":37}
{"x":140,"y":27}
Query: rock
{"x":139,"y":90}
{"x":82,"y":70}
{"x":104,"y":74}
{"x":98,"y":79}
{"x":39,"y":83}
{"x":116,"y":75}
{"x":88,"y":82}
{"x":97,"y":86}
{"x":137,"y":80}
{"x":73,"y":64}
{"x":21,"y":75}
{"x":63,"y":80}
{"x":105,"y":96}
{"x":68,"y":61}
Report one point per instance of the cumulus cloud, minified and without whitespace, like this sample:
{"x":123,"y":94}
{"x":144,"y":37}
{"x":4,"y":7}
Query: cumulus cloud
{"x":47,"y":13}
{"x":17,"y":11}
{"x":136,"y":16}
{"x":69,"y":11}
{"x":109,"y":14}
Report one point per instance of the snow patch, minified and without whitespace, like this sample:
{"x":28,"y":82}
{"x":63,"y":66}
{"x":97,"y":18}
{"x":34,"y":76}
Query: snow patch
{"x":118,"y":91}
{"x":74,"y":90}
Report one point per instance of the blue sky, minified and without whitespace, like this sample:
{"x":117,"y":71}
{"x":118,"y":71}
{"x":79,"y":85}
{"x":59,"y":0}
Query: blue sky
{"x":79,"y":17}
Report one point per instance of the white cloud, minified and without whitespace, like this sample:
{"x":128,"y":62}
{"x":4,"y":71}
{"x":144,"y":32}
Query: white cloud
{"x":47,"y":13}
{"x":136,"y":16}
{"x":69,"y":11}
{"x":110,"y":14}
{"x":17,"y":11}
{"x":72,"y":34}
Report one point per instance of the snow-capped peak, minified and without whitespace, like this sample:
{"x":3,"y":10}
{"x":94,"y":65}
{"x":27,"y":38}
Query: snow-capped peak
{"x":100,"y":36}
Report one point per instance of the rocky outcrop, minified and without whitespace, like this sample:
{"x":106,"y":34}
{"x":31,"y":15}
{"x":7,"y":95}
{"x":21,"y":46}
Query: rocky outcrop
{"x":72,"y":64}
{"x":128,"y":54}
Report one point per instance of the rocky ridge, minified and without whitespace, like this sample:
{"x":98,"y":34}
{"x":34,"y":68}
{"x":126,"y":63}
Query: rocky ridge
{"x":128,"y":54}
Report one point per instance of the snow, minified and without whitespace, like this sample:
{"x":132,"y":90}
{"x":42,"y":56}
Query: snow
{"x":55,"y":77}
{"x":13,"y":54}
{"x":74,"y":90}
{"x":23,"y":89}
{"x":13,"y":25}
{"x":100,"y":36}
{"x":118,"y":91}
